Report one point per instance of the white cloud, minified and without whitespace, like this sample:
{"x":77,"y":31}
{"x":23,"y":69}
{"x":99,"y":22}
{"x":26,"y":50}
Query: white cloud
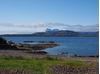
{"x":8,"y":28}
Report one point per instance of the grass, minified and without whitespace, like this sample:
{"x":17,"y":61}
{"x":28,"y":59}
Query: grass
{"x":36,"y":65}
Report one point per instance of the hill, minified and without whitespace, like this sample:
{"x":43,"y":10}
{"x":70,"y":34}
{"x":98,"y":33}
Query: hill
{"x":58,"y":33}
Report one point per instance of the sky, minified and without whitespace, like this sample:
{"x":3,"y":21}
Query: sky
{"x":28,"y":16}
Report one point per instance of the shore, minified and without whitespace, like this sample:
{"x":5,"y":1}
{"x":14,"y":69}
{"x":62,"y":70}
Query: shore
{"x":31,"y":59}
{"x":25,"y":50}
{"x":22,"y":62}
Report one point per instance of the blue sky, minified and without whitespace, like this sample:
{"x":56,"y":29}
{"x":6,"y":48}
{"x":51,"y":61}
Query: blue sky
{"x":30,"y":12}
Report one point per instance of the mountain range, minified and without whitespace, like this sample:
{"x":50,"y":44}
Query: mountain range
{"x":58,"y":33}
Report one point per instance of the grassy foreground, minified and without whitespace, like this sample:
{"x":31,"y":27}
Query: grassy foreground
{"x":19,"y":65}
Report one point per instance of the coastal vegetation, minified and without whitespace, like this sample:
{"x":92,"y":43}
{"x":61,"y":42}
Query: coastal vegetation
{"x":3,"y":41}
{"x":47,"y":65}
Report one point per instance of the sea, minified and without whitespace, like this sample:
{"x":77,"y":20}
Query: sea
{"x":82,"y":46}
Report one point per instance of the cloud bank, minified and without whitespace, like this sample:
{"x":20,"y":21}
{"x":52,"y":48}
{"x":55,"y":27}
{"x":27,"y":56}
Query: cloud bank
{"x":8,"y":28}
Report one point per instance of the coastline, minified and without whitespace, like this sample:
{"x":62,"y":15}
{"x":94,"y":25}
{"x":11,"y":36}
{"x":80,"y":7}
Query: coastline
{"x":31,"y":59}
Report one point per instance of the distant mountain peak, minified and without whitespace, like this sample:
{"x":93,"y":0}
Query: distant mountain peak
{"x":50,"y":30}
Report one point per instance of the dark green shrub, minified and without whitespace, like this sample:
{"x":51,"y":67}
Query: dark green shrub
{"x":3,"y":41}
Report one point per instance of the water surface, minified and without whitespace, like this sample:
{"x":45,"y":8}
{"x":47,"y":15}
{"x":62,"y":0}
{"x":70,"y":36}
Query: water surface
{"x":84,"y":46}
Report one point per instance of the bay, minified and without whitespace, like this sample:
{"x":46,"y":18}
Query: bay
{"x":83,"y":46}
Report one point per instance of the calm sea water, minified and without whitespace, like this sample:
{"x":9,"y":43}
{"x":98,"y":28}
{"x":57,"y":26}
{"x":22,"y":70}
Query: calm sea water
{"x":84,"y":46}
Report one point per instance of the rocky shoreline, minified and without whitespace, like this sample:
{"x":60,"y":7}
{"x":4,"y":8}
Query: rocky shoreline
{"x":35,"y":51}
{"x":9,"y":48}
